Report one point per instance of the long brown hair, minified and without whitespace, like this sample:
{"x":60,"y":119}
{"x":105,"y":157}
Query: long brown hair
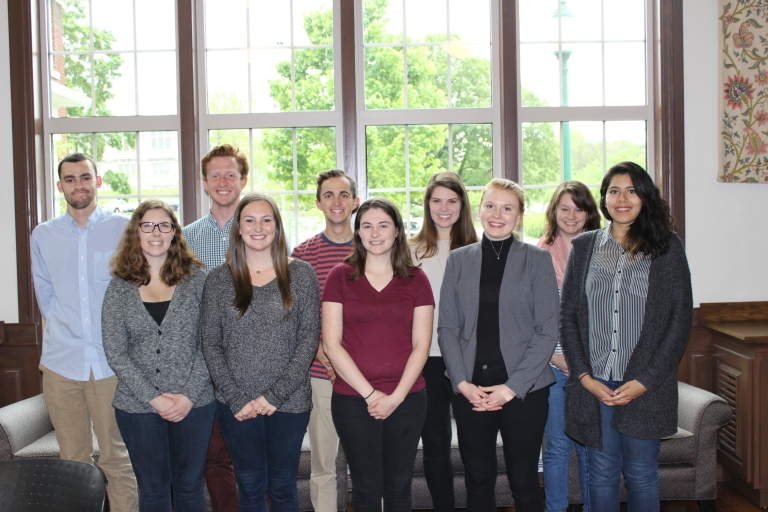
{"x":583,"y":200}
{"x":462,"y":232}
{"x":400,"y":256}
{"x":238,"y":265}
{"x":129,"y":262}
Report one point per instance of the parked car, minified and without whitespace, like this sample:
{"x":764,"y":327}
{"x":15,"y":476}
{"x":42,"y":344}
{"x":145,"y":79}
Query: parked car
{"x":121,"y":206}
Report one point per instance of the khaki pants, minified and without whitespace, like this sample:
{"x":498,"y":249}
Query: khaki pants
{"x":324,"y":445}
{"x":78,"y":409}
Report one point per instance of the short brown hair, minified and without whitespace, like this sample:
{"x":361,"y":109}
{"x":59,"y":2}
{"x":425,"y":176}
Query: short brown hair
{"x":129,"y":262}
{"x":400,"y":257}
{"x":335,"y":173}
{"x":583,"y":200}
{"x":225,"y":150}
{"x":73,"y":158}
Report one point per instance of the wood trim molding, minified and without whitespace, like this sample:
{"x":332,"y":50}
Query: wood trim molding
{"x":671,"y":113}
{"x":349,"y":88}
{"x":188,"y":136}
{"x":23,"y":45}
{"x":510,"y":128}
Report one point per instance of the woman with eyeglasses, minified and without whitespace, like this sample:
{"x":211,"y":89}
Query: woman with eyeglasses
{"x":261,"y":327}
{"x":151,"y":327}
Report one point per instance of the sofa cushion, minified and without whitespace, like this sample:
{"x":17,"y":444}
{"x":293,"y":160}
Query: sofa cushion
{"x":47,"y":447}
{"x":678,"y":448}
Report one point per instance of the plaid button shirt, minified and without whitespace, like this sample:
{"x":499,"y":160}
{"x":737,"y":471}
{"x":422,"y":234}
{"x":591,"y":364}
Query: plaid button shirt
{"x":208,"y":240}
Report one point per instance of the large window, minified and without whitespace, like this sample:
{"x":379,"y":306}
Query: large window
{"x":268,"y":77}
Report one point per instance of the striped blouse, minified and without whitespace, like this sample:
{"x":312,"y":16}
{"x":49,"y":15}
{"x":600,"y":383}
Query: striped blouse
{"x":617,"y":287}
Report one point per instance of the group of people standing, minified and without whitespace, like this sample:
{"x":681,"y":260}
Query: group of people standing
{"x":225,"y":348}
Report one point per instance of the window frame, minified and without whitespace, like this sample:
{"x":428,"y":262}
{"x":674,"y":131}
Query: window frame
{"x":30,"y":165}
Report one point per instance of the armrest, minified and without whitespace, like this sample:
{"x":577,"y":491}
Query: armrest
{"x":21,"y":424}
{"x":703,"y":414}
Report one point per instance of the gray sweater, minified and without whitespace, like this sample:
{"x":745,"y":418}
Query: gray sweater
{"x":262,"y":353}
{"x":663,"y":337}
{"x":150,"y":359}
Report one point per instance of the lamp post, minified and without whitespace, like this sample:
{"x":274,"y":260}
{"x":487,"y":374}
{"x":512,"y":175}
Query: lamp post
{"x":562,"y":57}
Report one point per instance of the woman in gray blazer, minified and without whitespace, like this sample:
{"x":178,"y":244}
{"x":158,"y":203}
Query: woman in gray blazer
{"x":497,"y":330}
{"x":151,"y":324}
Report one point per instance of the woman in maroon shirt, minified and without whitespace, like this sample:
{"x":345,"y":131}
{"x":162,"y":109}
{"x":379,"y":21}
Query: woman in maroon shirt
{"x":378,"y":346}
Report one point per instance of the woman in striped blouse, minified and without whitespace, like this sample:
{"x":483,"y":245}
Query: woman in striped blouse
{"x":626,"y":313}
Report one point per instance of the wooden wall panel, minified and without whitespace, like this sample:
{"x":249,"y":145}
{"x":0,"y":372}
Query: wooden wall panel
{"x":19,"y":360}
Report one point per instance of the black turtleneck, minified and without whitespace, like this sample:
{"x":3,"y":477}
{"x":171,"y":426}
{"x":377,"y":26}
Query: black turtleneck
{"x":491,"y":273}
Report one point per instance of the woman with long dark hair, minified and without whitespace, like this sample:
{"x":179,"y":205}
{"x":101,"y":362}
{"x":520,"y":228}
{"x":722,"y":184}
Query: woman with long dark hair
{"x":377,"y":322}
{"x":571,"y":211}
{"x":625,"y":321}
{"x":447,"y":225}
{"x":497,"y":330}
{"x":260,"y":332}
{"x":151,"y":324}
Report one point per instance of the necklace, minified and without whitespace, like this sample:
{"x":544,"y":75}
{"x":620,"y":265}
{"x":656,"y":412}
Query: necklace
{"x":498,"y":253}
{"x":263,"y":270}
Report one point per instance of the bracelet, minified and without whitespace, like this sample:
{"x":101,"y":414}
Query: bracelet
{"x":369,"y":395}
{"x":583,"y":375}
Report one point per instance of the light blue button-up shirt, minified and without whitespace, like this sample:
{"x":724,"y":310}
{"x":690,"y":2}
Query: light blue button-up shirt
{"x":70,"y":270}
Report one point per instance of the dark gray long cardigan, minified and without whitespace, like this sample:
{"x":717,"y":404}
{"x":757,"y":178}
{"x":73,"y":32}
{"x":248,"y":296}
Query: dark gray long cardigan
{"x":664,"y":335}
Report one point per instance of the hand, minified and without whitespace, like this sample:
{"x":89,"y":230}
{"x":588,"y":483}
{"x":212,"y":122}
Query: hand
{"x":248,"y":412}
{"x":627,"y":392}
{"x":499,"y":395}
{"x":263,"y":407}
{"x":161,"y":403}
{"x":329,"y":370}
{"x":181,"y":407}
{"x":597,"y":388}
{"x":381,"y":405}
{"x":559,"y":361}
{"x":476,"y":396}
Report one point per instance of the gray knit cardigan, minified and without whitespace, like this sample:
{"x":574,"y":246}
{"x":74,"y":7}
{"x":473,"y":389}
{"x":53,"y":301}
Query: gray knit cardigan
{"x":262,"y":352}
{"x":663,"y":337}
{"x":150,"y":359}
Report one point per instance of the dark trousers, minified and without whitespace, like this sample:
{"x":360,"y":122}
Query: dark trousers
{"x":521,"y":423}
{"x":219,"y":474}
{"x":265,"y":453}
{"x":436,"y":436}
{"x":167,"y":455}
{"x":381,"y":453}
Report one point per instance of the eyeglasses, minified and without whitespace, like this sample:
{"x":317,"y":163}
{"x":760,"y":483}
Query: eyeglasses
{"x":149,"y":227}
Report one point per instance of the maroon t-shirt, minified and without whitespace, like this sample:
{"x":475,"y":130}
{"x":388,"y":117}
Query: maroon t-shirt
{"x":377,"y":330}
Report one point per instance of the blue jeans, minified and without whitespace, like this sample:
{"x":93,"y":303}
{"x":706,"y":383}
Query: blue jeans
{"x":557,"y":454}
{"x":381,"y":453}
{"x":638,"y":458}
{"x":436,"y":436}
{"x":265,"y":454}
{"x":168,"y":455}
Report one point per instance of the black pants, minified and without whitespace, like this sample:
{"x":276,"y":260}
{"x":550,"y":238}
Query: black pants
{"x":436,"y":436}
{"x":521,"y":423}
{"x":381,"y":453}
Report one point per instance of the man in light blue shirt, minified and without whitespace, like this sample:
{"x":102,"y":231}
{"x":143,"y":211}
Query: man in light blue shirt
{"x":70,"y":269}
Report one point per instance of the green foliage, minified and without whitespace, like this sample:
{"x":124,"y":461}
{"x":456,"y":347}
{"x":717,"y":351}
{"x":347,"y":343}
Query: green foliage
{"x":118,"y":182}
{"x":106,"y":68}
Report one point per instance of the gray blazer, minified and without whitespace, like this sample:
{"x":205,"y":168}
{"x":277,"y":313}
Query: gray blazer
{"x":528,"y":316}
{"x":150,"y":359}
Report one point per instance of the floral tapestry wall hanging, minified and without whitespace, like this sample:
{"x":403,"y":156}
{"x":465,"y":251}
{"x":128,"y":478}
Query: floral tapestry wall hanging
{"x":744,"y":99}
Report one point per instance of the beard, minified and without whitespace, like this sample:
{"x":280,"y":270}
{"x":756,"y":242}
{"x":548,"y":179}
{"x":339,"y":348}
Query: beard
{"x":80,"y":201}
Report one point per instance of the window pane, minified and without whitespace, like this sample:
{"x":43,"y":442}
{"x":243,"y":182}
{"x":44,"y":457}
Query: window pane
{"x":314,"y":80}
{"x":87,"y":79}
{"x":580,"y":20}
{"x":583,"y":79}
{"x":427,"y":153}
{"x":426,"y":20}
{"x":271,"y":30}
{"x":385,"y":157}
{"x":624,"y":20}
{"x":315,"y":152}
{"x":227,"y":82}
{"x":469,"y":20}
{"x":226,"y":24}
{"x":473,"y":153}
{"x":382,"y":21}
{"x":626,"y":141}
{"x":427,"y":77}
{"x":625,"y":74}
{"x":271,"y":81}
{"x":539,"y":75}
{"x":133,"y":166}
{"x":538,"y":20}
{"x":586,"y":152}
{"x":384,"y":78}
{"x":157,"y":83}
{"x":312,"y":22}
{"x":541,"y":153}
{"x":470,"y":75}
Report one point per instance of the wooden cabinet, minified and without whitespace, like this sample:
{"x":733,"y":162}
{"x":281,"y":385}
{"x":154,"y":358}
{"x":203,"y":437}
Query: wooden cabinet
{"x":740,"y":361}
{"x":19,"y":360}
